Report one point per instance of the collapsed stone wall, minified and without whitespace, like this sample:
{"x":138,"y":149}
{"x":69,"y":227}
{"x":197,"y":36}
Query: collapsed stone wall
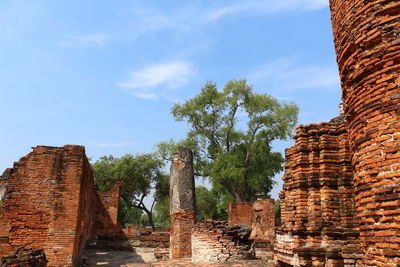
{"x":46,"y":204}
{"x":366,"y":35}
{"x":217,"y":241}
{"x":317,"y":202}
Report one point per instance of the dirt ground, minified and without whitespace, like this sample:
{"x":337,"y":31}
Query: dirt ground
{"x":112,"y":258}
{"x":144,"y":257}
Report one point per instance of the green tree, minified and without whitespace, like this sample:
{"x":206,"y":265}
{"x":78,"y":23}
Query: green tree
{"x":138,"y":175}
{"x":278,"y":213}
{"x":162,"y":217}
{"x":231,"y":132}
{"x":206,"y":202}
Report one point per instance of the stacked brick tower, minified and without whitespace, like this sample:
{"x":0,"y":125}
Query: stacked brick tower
{"x":367,"y":41}
{"x":318,"y":227}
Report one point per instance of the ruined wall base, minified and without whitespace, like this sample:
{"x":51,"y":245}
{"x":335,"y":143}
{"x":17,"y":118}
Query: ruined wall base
{"x":25,"y":257}
{"x":216,"y":241}
{"x":182,"y":224}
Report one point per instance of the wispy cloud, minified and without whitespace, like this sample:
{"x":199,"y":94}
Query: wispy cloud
{"x":152,"y":81}
{"x":92,"y":39}
{"x":251,"y":7}
{"x":290,"y":73}
{"x":123,"y":144}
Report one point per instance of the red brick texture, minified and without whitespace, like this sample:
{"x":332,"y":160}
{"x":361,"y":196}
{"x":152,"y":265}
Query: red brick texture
{"x":216,"y":241}
{"x":318,"y":226}
{"x":105,"y":221}
{"x":240,"y":212}
{"x":47,"y":205}
{"x":182,"y":224}
{"x":263,"y":222}
{"x":367,"y":35}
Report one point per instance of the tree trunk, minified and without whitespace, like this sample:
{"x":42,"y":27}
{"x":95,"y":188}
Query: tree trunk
{"x":151,"y":222}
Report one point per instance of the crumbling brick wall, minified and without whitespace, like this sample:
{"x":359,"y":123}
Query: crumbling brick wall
{"x":48,"y":204}
{"x":317,"y":202}
{"x":217,"y":241}
{"x":105,"y":221}
{"x":367,"y":35}
{"x":263,"y":222}
{"x":240,"y":212}
{"x":25,"y":257}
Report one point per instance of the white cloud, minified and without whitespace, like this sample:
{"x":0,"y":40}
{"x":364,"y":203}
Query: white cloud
{"x":250,"y":7}
{"x":289,"y":73}
{"x":93,"y":39}
{"x":147,"y":19}
{"x":123,"y":144}
{"x":153,"y":81}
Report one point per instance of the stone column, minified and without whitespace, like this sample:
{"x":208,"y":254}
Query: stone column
{"x":182,"y":204}
{"x":367,"y":35}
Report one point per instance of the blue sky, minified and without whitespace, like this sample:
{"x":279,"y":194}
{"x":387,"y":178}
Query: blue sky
{"x":105,"y":74}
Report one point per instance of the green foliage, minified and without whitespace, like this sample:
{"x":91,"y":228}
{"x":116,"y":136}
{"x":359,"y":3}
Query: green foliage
{"x":128,"y":215}
{"x":211,"y":204}
{"x":137,"y":176}
{"x":161,"y":217}
{"x":206,"y":203}
{"x":231,"y":133}
{"x":277,"y":212}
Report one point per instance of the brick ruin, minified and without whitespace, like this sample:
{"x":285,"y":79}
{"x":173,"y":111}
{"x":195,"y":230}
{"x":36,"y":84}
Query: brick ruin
{"x":366,"y":35}
{"x":218,"y":241}
{"x":341,"y":193}
{"x":182,"y":204}
{"x":317,"y":202}
{"x":240,"y":212}
{"x":49,"y":203}
{"x":340,"y":203}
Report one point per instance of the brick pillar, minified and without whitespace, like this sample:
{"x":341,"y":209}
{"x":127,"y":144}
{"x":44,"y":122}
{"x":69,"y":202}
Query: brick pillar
{"x":367,"y":35}
{"x":182,"y":204}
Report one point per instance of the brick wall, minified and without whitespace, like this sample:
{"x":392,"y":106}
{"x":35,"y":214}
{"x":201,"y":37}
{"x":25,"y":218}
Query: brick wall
{"x":263,"y":222}
{"x":366,"y":35}
{"x":48,"y":203}
{"x":182,"y":224}
{"x":216,"y":241}
{"x":106,"y":212}
{"x":317,"y":202}
{"x":240,"y":212}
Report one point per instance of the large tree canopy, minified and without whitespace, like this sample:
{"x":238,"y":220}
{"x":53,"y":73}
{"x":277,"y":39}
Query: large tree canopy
{"x":138,"y":175}
{"x":231,"y":133}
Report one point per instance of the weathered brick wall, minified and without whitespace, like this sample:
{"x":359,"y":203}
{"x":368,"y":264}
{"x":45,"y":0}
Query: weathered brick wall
{"x":240,"y":212}
{"x":367,"y":35}
{"x":25,"y":257}
{"x":105,"y":221}
{"x":48,"y":204}
{"x":318,"y":226}
{"x":182,"y":224}
{"x":216,"y":241}
{"x":263,"y":222}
